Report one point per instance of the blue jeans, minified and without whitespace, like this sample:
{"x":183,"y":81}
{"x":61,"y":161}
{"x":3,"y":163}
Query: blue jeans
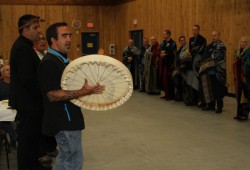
{"x":70,"y":156}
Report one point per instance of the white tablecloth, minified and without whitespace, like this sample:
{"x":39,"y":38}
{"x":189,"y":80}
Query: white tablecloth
{"x":5,"y":113}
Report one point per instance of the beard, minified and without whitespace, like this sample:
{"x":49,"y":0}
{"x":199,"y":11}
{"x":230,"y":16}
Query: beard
{"x":67,"y":47}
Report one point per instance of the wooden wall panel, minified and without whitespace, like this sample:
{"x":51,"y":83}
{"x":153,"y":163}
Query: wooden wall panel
{"x":64,"y":2}
{"x":7,"y":34}
{"x":101,"y":16}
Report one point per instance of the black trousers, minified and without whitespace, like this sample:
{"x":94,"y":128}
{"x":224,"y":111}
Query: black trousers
{"x":29,"y":135}
{"x":46,"y":144}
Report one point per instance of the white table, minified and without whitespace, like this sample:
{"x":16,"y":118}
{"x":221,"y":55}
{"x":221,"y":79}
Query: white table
{"x":5,"y":113}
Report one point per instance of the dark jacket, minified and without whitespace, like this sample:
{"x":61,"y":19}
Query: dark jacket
{"x":170,"y":48}
{"x":25,"y":93}
{"x":197,"y":45}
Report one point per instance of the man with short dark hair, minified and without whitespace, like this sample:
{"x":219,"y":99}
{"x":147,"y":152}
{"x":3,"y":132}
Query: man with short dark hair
{"x":62,"y":119}
{"x":166,"y":65}
{"x":197,"y":45}
{"x":25,"y":95}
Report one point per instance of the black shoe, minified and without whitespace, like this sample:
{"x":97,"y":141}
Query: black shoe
{"x":207,"y":108}
{"x":190,"y":104}
{"x":218,"y":110}
{"x":45,"y":160}
{"x":154,"y":93}
{"x":236,"y":117}
{"x":201,"y":105}
{"x":163,"y":97}
{"x":241,"y":118}
{"x":178,"y":99}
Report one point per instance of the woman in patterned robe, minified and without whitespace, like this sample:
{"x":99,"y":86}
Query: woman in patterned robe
{"x":241,"y":70}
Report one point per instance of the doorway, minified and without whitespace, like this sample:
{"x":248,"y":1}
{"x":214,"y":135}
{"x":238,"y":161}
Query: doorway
{"x":137,"y":36}
{"x":90,"y":42}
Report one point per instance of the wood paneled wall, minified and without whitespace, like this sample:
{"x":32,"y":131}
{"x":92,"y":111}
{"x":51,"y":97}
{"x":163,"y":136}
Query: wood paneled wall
{"x":230,"y":17}
{"x":101,"y":16}
{"x":63,"y":2}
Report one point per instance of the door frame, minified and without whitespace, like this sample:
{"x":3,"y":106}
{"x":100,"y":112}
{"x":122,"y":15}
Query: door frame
{"x":140,"y":43}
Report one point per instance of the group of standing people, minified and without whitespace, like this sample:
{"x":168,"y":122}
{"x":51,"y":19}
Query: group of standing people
{"x":194,"y":74}
{"x":43,"y":108}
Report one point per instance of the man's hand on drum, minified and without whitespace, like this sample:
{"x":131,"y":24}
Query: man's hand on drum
{"x":96,"y":89}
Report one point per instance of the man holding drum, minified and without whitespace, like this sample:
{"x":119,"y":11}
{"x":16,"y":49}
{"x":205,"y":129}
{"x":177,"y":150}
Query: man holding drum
{"x":62,"y":119}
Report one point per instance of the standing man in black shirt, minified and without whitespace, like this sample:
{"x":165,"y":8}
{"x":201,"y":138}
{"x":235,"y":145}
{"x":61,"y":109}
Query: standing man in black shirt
{"x":62,"y":119}
{"x":197,"y":45}
{"x":166,"y":65}
{"x":25,"y":95}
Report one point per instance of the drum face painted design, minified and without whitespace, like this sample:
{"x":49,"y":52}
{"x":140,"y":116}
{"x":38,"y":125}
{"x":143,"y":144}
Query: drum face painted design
{"x":100,"y":69}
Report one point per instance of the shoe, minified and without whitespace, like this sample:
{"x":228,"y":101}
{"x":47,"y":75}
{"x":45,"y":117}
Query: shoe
{"x":177,"y":99}
{"x":201,"y":105}
{"x":207,"y":108}
{"x":169,"y":98}
{"x":45,"y":160}
{"x":241,"y":118}
{"x":154,"y":93}
{"x":190,"y":104}
{"x":163,"y":97}
{"x":236,"y":117}
{"x":53,"y":154}
{"x":218,"y":110}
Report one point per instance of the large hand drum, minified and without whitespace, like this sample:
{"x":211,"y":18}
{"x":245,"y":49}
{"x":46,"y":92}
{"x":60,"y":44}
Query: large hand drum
{"x":100,"y":69}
